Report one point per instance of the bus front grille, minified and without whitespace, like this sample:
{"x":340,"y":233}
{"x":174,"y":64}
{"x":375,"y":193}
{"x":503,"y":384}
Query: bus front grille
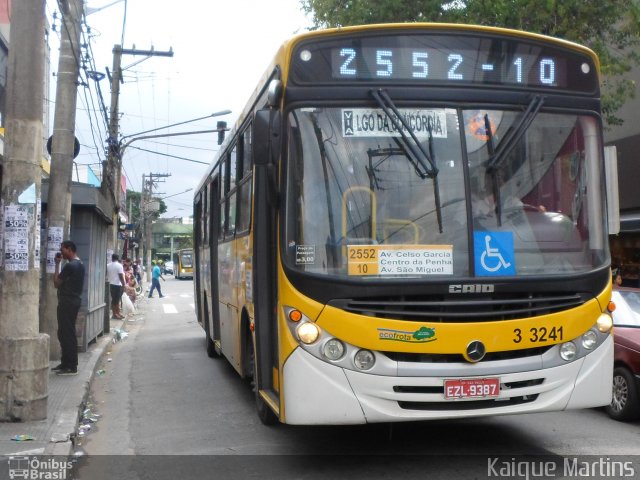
{"x":447,"y":309}
{"x":467,"y":404}
{"x":458,"y":358}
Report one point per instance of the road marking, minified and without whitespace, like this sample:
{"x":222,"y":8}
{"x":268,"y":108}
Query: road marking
{"x":186,"y":295}
{"x":193,"y":305}
{"x":169,"y":308}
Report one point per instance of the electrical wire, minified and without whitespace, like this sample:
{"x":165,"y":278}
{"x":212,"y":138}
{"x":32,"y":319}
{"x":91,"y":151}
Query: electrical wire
{"x":168,"y":155}
{"x":124,"y":23}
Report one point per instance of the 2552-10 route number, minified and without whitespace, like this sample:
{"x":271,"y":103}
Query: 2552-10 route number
{"x":538,"y":335}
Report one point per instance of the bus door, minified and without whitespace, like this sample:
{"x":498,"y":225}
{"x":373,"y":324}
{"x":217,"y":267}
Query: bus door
{"x":266,"y":149}
{"x":214,"y":227}
{"x":197,"y":284}
{"x":228,"y":284}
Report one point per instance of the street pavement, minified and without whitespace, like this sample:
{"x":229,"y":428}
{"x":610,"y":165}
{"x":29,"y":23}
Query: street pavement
{"x":66,"y":397}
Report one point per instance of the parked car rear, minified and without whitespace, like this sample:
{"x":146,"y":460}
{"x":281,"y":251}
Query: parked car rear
{"x":625,"y":405}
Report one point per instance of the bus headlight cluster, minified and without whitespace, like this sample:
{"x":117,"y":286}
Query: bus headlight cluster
{"x":568,"y":351}
{"x":364,"y":360}
{"x":333,"y":349}
{"x":308,"y":332}
{"x":589,"y":340}
{"x":604,"y":323}
{"x":318,"y":342}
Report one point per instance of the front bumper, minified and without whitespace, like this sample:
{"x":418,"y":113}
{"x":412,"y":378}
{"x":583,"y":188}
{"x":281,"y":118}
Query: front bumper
{"x":317,"y":392}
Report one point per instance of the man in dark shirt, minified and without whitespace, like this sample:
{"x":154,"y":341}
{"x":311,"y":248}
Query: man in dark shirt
{"x":69,"y":283}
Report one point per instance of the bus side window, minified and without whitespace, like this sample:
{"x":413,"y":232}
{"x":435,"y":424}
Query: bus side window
{"x":223,"y":204}
{"x":247,"y":152}
{"x":243,"y":218}
{"x":205,"y":214}
{"x":230,"y":196}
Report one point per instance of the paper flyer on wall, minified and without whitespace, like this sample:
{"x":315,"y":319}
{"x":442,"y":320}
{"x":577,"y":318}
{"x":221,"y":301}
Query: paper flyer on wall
{"x":54,"y":239}
{"x":36,"y":256}
{"x":16,"y":238}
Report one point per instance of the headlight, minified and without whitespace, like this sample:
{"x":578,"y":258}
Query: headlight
{"x":333,"y":349}
{"x":308,"y":332}
{"x":589,"y":340}
{"x":364,"y":360}
{"x":605,"y":323}
{"x":568,"y":351}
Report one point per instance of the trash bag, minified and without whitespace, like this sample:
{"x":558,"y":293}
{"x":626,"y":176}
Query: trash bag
{"x":127,"y":305}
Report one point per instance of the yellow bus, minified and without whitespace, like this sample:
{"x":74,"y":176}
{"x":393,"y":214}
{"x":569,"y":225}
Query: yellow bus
{"x":183,"y":263}
{"x":408,"y":222}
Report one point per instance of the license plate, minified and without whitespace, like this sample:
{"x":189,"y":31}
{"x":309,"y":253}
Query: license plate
{"x":472,"y":388}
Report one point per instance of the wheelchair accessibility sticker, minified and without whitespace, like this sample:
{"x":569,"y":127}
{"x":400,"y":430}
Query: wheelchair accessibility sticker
{"x":494,"y":253}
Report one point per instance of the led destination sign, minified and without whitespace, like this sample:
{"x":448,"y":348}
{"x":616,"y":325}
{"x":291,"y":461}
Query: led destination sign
{"x":446,"y":66}
{"x":460,"y":59}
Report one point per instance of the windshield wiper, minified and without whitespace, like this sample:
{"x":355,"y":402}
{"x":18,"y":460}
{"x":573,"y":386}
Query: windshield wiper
{"x":498,"y":155}
{"x":422,"y":160}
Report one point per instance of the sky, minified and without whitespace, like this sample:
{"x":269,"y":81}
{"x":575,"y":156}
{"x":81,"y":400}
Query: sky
{"x":221,"y":49}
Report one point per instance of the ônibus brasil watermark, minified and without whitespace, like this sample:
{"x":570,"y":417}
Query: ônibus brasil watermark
{"x":39,"y":468}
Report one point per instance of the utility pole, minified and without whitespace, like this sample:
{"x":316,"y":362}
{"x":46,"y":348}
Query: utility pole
{"x":148,"y":208}
{"x":113,"y":168}
{"x":24,"y":352}
{"x":62,"y":155}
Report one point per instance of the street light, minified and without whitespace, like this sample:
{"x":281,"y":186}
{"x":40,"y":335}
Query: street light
{"x":175,"y":194}
{"x":90,"y":10}
{"x":120,"y":148}
{"x":214,"y":114}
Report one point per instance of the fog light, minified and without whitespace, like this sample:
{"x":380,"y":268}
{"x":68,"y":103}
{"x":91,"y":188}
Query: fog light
{"x":364,"y":360}
{"x":589,"y":340}
{"x":308,"y":332}
{"x":604,"y":323}
{"x":333,"y":349}
{"x":568,"y":351}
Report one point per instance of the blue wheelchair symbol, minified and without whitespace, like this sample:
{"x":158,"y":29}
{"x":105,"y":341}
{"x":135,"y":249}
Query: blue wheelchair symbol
{"x":494,"y":253}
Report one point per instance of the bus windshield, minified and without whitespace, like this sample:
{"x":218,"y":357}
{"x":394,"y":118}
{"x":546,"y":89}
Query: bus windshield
{"x":186,"y":259}
{"x":500,"y":196}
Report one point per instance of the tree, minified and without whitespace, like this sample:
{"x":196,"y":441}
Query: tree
{"x":611,"y":28}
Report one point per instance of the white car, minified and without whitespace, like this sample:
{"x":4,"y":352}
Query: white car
{"x":168,"y":267}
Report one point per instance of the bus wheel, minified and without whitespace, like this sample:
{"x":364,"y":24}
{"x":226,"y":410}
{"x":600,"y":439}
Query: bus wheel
{"x":211,"y":348}
{"x":625,"y":404}
{"x":265,"y":414}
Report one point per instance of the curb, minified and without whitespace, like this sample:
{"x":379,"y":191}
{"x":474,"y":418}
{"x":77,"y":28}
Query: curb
{"x":67,"y":416}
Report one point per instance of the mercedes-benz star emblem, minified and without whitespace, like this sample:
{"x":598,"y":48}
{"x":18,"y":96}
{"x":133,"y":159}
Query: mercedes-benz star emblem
{"x":476,"y":351}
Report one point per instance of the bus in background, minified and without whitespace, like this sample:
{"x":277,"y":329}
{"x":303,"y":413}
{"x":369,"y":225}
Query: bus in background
{"x":408,"y":222}
{"x":183,"y":263}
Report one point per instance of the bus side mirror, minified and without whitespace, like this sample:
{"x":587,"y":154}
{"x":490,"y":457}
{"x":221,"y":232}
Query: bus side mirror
{"x":266,"y":136}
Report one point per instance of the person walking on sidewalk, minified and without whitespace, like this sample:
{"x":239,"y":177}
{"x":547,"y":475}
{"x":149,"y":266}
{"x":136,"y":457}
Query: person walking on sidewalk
{"x":69,"y":283}
{"x":115,"y":276}
{"x":155,"y":280}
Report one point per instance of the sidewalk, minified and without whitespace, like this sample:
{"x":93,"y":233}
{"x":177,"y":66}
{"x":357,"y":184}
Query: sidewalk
{"x":53,"y":436}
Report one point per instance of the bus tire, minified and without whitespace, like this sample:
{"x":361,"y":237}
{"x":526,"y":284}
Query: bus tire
{"x":625,"y":403}
{"x":211,"y":348}
{"x":265,"y":414}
